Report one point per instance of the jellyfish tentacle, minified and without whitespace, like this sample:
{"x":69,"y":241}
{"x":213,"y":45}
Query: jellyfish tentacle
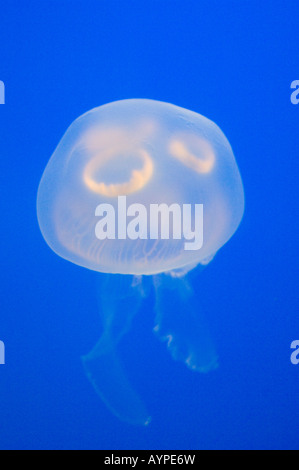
{"x":180,"y":322}
{"x":121,"y":297}
{"x":106,"y":373}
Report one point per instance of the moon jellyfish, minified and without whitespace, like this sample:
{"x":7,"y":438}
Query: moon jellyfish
{"x":143,"y":192}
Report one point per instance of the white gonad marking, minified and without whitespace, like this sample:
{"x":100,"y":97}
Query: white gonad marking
{"x":138,"y":180}
{"x":201,"y":160}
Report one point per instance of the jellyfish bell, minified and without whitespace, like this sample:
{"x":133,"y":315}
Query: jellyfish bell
{"x":151,"y":153}
{"x":140,"y":189}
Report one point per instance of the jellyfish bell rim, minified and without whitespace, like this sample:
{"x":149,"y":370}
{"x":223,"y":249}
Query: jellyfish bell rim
{"x":175,"y":270}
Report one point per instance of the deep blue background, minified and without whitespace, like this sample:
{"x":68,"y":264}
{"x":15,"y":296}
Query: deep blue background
{"x":232,"y":62}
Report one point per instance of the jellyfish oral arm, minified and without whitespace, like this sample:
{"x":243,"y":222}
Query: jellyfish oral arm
{"x":180,"y":323}
{"x":120,"y":299}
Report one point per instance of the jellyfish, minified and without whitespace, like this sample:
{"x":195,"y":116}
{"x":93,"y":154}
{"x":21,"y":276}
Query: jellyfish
{"x":144,"y":193}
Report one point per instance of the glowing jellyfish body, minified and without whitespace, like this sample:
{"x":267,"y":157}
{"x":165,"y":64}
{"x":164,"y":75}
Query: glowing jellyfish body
{"x":118,"y":173}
